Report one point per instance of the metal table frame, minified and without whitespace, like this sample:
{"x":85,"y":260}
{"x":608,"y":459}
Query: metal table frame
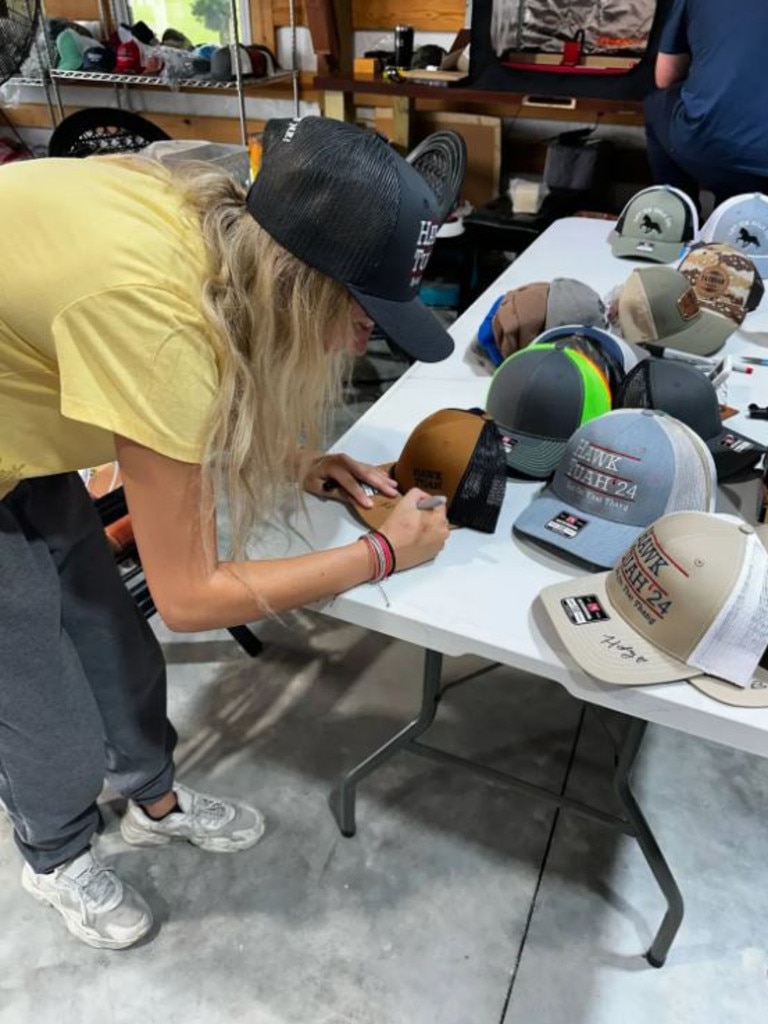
{"x":633,"y":823}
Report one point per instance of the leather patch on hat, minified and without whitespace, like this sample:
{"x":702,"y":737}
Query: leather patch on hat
{"x":688,"y":304}
{"x":713,"y":282}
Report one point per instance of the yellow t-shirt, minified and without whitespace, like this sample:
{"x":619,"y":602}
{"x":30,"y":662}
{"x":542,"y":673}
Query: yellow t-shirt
{"x":101,"y":332}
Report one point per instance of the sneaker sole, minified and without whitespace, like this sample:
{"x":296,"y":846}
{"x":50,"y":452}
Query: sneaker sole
{"x":75,"y":927}
{"x":135,"y":835}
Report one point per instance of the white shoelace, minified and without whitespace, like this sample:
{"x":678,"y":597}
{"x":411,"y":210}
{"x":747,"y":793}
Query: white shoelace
{"x":209,"y":812}
{"x":98,"y":886}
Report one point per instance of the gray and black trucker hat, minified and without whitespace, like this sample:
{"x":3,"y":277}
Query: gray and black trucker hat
{"x":688,"y":394}
{"x":342,"y":200}
{"x":620,"y":473}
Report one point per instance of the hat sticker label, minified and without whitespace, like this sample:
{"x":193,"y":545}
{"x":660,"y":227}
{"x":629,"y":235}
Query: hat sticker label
{"x":507,"y":441}
{"x":645,"y":247}
{"x":638,"y":575}
{"x":688,"y":304}
{"x":583,"y":610}
{"x":427,"y":234}
{"x":735,"y":444}
{"x":566,"y":524}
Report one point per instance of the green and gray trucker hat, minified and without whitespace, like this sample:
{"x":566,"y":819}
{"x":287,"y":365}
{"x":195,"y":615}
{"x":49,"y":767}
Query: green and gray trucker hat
{"x":657,"y":306}
{"x":538,"y":398}
{"x":656,"y":225}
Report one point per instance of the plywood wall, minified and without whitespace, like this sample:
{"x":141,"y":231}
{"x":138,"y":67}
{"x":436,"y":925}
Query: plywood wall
{"x":439,"y":15}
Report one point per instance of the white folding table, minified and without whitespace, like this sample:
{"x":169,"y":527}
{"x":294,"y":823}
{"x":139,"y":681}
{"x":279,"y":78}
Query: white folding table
{"x":478,"y":596}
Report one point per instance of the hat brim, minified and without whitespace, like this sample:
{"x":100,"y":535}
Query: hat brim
{"x":606,"y":647}
{"x":411,"y":325}
{"x":702,"y":338}
{"x":600,"y":542}
{"x":662,"y":252}
{"x":537,"y":457}
{"x":383,"y":505}
{"x":753,"y":696}
{"x":733,"y":452}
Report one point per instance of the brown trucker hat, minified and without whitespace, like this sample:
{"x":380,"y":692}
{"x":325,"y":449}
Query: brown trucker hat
{"x":454,"y":452}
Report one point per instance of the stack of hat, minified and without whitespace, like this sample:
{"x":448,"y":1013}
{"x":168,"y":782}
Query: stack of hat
{"x":539,"y":397}
{"x":519,"y":316}
{"x":694,"y":308}
{"x":255,"y":62}
{"x":687,"y":600}
{"x":657,"y":306}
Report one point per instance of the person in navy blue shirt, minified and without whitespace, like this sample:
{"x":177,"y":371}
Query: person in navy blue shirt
{"x":707,"y":120}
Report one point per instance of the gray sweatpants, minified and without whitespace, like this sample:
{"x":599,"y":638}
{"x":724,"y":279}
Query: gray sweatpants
{"x":82,"y":677}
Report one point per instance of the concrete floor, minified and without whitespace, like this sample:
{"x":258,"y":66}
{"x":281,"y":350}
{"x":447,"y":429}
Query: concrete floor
{"x":457,"y":902}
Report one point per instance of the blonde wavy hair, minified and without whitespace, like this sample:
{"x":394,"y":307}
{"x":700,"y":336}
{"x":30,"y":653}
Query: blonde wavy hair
{"x":273,"y":319}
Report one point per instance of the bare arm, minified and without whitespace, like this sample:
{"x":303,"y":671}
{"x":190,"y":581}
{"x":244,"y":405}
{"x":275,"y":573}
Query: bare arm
{"x":194,"y":590}
{"x":671,"y":68}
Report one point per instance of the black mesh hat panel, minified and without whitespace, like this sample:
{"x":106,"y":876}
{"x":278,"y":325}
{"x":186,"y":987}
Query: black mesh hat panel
{"x":684,"y":392}
{"x":314,"y":191}
{"x":340,"y":199}
{"x":478,"y":498}
{"x":673,"y":387}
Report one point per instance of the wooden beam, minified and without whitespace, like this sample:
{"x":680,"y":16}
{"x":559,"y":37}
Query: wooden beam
{"x":402,"y":108}
{"x":178,"y":126}
{"x":424,"y":15}
{"x":281,"y":12}
{"x":263,"y":23}
{"x":75,"y":10}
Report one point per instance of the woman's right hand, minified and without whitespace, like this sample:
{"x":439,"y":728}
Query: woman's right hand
{"x":416,"y":535}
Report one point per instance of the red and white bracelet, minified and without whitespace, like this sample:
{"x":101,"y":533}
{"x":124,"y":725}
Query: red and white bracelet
{"x":381,"y":555}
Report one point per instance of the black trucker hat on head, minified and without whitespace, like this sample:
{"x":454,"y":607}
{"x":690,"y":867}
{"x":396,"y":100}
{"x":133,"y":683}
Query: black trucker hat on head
{"x":683,"y":391}
{"x":342,"y":200}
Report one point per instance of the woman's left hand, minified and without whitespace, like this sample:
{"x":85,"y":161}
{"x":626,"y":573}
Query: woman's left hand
{"x":340,"y":477}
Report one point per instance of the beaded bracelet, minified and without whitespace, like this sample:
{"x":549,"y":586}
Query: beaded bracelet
{"x":381,"y":553}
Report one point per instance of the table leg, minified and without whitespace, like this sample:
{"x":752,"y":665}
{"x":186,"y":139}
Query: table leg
{"x":342,"y":799}
{"x":673,"y":918}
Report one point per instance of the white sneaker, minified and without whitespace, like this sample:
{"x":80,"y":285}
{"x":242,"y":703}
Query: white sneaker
{"x":220,"y":826}
{"x":97,"y":906}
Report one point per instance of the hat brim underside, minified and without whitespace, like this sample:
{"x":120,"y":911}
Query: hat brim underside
{"x":730,"y":458}
{"x":753,"y":696}
{"x":662,"y":252}
{"x":411,"y":325}
{"x":702,"y":338}
{"x":600,"y":542}
{"x":608,"y":649}
{"x":383,"y":505}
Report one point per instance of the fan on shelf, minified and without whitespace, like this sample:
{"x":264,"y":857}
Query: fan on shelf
{"x":441,"y":159}
{"x":18,"y":23}
{"x":103,"y":130}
